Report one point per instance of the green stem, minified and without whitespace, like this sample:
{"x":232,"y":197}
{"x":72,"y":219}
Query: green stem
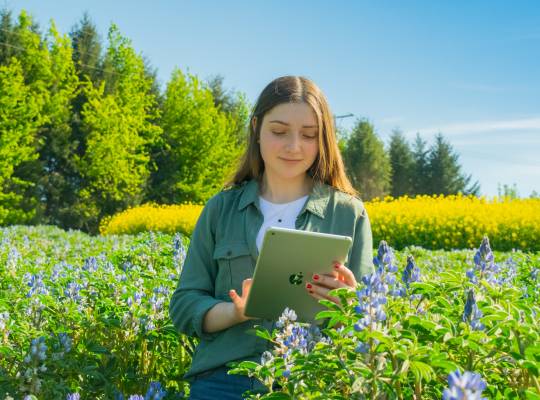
{"x":395,"y":365}
{"x":418,"y":390}
{"x":536,"y":383}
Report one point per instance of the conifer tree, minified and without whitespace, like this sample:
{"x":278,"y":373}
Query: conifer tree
{"x":367,"y":163}
{"x":445,"y":172}
{"x":402,"y":162}
{"x":234,"y":104}
{"x":421,"y":176}
{"x":57,"y":180}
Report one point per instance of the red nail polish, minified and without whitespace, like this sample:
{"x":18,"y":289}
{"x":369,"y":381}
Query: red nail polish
{"x":336,"y":266}
{"x":316,"y":277}
{"x":309,"y":286}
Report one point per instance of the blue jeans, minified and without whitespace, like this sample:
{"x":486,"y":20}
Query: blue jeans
{"x":216,"y":384}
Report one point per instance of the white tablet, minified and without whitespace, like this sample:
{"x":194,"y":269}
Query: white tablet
{"x":287,"y":261}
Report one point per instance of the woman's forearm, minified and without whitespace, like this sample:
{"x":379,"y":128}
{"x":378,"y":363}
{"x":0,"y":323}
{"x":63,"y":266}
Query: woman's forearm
{"x":221,"y":316}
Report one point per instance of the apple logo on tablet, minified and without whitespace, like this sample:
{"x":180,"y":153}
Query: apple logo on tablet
{"x":296,"y":279}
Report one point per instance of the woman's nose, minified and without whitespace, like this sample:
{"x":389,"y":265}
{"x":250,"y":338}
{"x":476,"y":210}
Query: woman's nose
{"x":293,"y":143}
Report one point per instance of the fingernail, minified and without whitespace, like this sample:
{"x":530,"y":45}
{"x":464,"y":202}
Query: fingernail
{"x":316,"y":277}
{"x":309,"y":286}
{"x":336,"y":266}
{"x":311,"y":292}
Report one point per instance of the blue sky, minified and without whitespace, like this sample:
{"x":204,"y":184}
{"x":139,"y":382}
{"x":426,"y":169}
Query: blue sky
{"x":470,"y":70}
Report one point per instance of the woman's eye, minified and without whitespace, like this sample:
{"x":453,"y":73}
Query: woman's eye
{"x":277,"y":133}
{"x":310,"y":136}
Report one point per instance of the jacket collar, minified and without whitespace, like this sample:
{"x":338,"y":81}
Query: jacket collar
{"x":316,"y":204}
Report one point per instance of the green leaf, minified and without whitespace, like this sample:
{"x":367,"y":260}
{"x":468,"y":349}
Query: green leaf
{"x":530,"y":395}
{"x":263,"y":334}
{"x":277,"y":396}
{"x":422,"y":371}
{"x":326,"y":314}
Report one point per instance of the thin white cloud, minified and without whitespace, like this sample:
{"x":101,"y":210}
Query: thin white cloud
{"x":480,"y":127}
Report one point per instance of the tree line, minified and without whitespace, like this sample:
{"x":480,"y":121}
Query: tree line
{"x":86,"y":131}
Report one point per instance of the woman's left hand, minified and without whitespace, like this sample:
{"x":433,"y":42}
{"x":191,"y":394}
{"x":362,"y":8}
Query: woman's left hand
{"x":321,"y":284}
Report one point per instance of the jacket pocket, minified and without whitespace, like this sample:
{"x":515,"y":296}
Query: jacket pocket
{"x":234,"y":265}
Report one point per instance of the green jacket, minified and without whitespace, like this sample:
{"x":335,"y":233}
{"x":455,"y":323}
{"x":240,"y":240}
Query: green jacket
{"x":223,"y":253}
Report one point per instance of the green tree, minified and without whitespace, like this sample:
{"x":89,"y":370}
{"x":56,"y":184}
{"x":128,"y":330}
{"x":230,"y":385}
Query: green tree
{"x":200,"y":144}
{"x":367,"y":163}
{"x":57,"y":184}
{"x":12,"y":43}
{"x":87,"y":49}
{"x":445,"y":172}
{"x":31,"y":54}
{"x":508,"y":191}
{"x":119,"y":132}
{"x":421,"y":176}
{"x":19,"y":121}
{"x":234,"y":104}
{"x":402,"y":162}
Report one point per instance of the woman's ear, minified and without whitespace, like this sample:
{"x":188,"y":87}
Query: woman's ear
{"x":254,"y":123}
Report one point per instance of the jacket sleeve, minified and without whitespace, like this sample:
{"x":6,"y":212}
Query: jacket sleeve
{"x":361,"y":259}
{"x":194,"y":294}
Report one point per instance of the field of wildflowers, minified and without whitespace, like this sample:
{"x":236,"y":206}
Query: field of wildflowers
{"x":433,"y":222}
{"x":86,"y":318}
{"x":153,"y":217}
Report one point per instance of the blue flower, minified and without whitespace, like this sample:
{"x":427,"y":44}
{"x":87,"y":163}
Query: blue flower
{"x":466,"y":386}
{"x":73,"y":396}
{"x":362,"y":348}
{"x":485,"y":266}
{"x":155,"y":392}
{"x":90,"y":264}
{"x":472,"y":313}
{"x":411,"y":273}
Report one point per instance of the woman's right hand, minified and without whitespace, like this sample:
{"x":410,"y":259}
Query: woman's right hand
{"x":239,"y":301}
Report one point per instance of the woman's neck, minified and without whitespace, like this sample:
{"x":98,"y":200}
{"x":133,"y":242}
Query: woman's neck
{"x":284,"y":191}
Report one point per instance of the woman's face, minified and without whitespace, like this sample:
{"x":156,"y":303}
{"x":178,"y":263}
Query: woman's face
{"x":289,"y":140}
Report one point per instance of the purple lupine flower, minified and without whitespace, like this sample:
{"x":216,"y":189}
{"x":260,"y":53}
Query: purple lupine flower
{"x":534,"y":273}
{"x":472,"y":313}
{"x":362,"y":348}
{"x":38,"y":351}
{"x":371,"y":301}
{"x":35,"y":282}
{"x":73,"y":396}
{"x":179,"y":252}
{"x":136,"y":397}
{"x":484,"y":266}
{"x":65,"y":341}
{"x":411,"y":273}
{"x":466,"y":386}
{"x":90,"y":264}
{"x":155,"y":392}
{"x":72,"y":291}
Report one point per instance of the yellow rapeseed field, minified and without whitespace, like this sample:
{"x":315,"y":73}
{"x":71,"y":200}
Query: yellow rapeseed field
{"x":451,"y":222}
{"x":434,"y":222}
{"x":153,"y":217}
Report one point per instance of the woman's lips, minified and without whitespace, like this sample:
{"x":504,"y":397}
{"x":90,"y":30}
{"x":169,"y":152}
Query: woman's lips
{"x":290,"y":161}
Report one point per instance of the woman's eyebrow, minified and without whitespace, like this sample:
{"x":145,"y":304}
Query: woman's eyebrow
{"x":284,"y":123}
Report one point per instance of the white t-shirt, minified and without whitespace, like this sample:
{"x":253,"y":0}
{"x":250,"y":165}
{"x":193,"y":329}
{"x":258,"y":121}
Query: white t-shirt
{"x":280,"y":215}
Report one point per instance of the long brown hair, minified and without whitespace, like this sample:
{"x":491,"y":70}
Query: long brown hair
{"x":328,"y":166}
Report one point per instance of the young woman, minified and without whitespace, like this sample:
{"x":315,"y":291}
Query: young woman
{"x":292,"y":176}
